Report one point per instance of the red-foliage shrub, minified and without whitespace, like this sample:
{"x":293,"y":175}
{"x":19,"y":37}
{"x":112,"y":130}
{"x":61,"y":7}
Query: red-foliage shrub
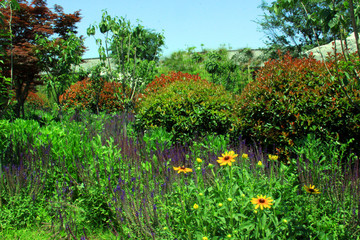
{"x":81,"y":95}
{"x":36,"y":100}
{"x":292,"y":97}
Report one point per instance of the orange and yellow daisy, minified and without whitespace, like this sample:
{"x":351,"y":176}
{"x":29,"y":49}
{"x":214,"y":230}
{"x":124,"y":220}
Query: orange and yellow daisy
{"x":227,"y":158}
{"x":262,"y":202}
{"x":311,"y":189}
{"x":273,"y":157}
{"x":182,"y":169}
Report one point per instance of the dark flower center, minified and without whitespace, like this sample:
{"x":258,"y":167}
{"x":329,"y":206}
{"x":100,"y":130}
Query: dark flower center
{"x":311,"y":190}
{"x":226,"y":158}
{"x":261,"y":200}
{"x":182,"y":167}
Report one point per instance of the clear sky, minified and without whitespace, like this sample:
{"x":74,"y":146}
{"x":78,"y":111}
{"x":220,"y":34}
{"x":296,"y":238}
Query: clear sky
{"x":185,"y":23}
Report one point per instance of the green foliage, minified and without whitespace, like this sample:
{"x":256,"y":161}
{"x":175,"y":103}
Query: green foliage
{"x":57,"y":59}
{"x":293,"y":97}
{"x":187,"y":61}
{"x":134,"y":51}
{"x":187,"y":108}
{"x":216,"y":65}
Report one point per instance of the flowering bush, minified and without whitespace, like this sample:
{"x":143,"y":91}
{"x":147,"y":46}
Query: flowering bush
{"x":292,"y":97}
{"x":81,"y":95}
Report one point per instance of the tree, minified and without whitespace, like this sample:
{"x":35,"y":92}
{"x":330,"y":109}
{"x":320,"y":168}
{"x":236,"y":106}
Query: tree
{"x":29,"y":20}
{"x":131,"y":55}
{"x":5,"y":82}
{"x":288,"y":26}
{"x":58,"y":58}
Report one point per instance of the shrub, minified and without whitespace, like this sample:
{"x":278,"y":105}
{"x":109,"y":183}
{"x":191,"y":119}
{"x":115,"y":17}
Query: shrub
{"x":36,"y":101}
{"x":81,"y":95}
{"x":292,"y":97}
{"x":186,"y":106}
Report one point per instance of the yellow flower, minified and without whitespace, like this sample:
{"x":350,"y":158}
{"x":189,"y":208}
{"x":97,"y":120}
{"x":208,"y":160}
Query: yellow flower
{"x":182,"y":169}
{"x":165,"y":228}
{"x":201,"y":194}
{"x":198,"y":168}
{"x":220,"y":204}
{"x":255,"y":211}
{"x":273,"y":157}
{"x":199,"y":160}
{"x":259,"y":163}
{"x":262,"y":202}
{"x":229,"y":199}
{"x":205,"y":238}
{"x":311,"y":189}
{"x":229,"y":236}
{"x":285,"y":221}
{"x":227,"y":158}
{"x":245,"y":156}
{"x":196,"y":206}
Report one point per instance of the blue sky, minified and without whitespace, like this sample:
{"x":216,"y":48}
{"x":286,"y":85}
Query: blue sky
{"x":185,"y":23}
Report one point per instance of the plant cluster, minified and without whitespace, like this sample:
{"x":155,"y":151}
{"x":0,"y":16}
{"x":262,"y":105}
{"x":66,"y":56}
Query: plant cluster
{"x":292,"y":97}
{"x":83,"y":96}
{"x":186,"y":106}
{"x":114,"y":185}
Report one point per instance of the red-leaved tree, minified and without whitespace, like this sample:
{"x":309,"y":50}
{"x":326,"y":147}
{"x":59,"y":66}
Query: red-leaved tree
{"x":31,"y":19}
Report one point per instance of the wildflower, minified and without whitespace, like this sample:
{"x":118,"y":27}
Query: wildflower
{"x":228,"y":236}
{"x":205,"y":238}
{"x":220,"y":204}
{"x":229,"y":199}
{"x":273,"y":157}
{"x":201,"y":194}
{"x":262,"y":201}
{"x":311,"y":189}
{"x":245,"y":156}
{"x":227,"y":158}
{"x":285,"y":221}
{"x":198,"y":168}
{"x":182,"y":169}
{"x":259,"y":163}
{"x":255,"y":211}
{"x":199,"y":160}
{"x":165,"y":228}
{"x":195,"y":206}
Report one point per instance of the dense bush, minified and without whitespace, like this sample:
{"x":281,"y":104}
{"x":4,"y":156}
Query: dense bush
{"x":292,"y":97}
{"x":36,"y":101}
{"x":188,"y":107}
{"x":82,"y":96}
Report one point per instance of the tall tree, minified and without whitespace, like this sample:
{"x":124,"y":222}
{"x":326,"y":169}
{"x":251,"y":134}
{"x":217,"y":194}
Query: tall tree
{"x":31,"y":19}
{"x":134,"y":60}
{"x":289,"y":27}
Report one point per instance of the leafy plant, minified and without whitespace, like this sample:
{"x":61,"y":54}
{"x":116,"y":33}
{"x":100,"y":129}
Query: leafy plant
{"x":292,"y":97}
{"x":187,"y":108}
{"x":82,"y":95}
